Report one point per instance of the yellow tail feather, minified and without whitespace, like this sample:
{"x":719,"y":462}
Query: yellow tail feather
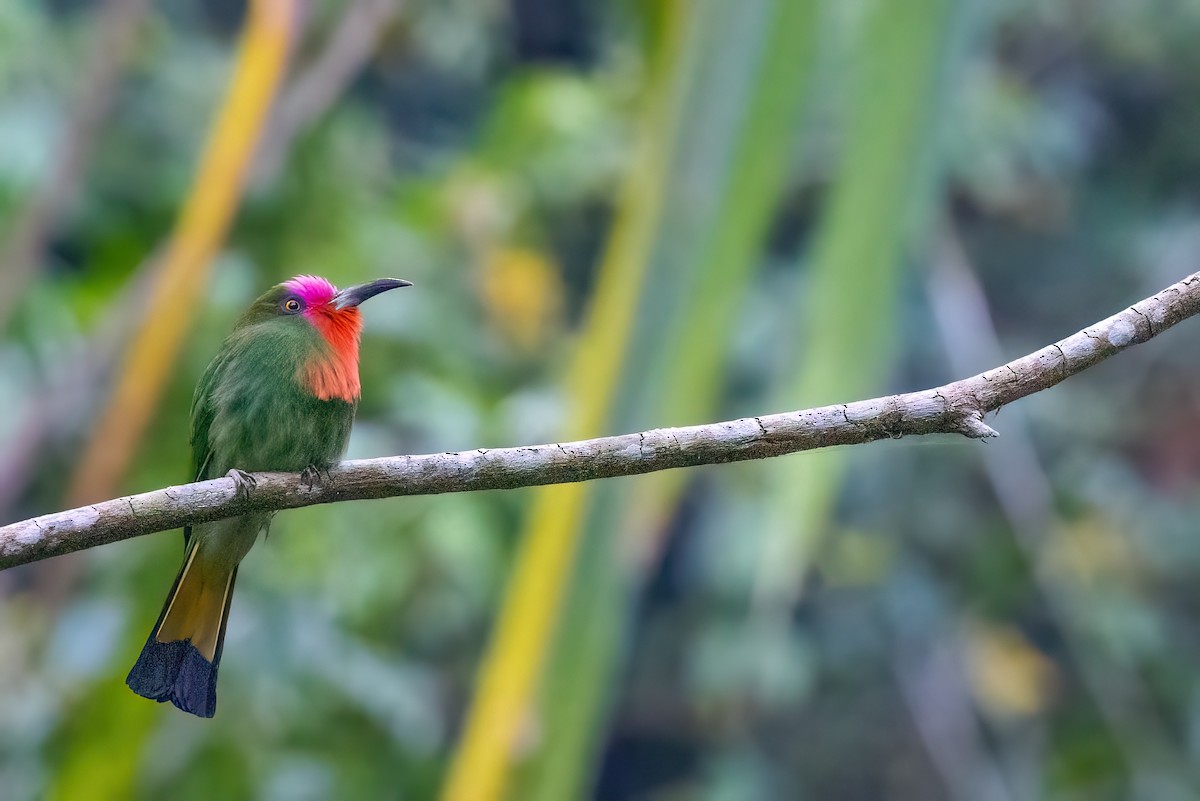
{"x":197,"y":608}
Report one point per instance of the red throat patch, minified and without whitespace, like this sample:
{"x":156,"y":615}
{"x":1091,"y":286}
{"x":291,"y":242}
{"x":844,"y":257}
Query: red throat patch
{"x":334,"y":374}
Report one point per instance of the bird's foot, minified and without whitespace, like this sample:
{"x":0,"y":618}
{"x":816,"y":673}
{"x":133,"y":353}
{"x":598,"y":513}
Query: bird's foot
{"x":314,"y":475}
{"x":243,"y":483}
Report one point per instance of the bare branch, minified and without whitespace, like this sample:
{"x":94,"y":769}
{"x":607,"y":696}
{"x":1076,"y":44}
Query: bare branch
{"x":956,"y":408}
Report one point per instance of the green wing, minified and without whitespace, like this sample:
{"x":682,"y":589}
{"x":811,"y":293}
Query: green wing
{"x":203,"y":412}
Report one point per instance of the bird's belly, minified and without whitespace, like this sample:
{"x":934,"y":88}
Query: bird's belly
{"x":226,"y":542}
{"x":286,"y":431}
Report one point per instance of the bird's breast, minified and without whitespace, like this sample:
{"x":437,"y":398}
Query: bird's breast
{"x":330,"y":376}
{"x":266,"y":420}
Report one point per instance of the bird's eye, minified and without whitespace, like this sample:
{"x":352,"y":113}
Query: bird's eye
{"x":291,"y":305}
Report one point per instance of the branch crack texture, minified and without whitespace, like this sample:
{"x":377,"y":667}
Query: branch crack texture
{"x":955,"y":408}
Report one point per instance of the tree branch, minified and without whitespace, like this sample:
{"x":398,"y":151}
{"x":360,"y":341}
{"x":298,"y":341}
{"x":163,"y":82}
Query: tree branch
{"x":955,"y":408}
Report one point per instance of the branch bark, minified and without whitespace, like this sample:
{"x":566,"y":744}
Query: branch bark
{"x":955,"y":408}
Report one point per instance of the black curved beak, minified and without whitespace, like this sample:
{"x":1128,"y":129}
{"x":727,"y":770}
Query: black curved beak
{"x":354,"y":295}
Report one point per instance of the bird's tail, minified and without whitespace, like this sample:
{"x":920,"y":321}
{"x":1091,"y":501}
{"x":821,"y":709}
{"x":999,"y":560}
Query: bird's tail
{"x":180,"y":658}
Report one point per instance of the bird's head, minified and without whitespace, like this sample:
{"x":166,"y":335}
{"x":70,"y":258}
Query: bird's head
{"x":315,"y":301}
{"x":319,"y":301}
{"x":310,"y":300}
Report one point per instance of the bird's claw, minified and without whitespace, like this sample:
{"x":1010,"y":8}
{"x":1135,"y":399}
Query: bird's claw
{"x":243,"y":482}
{"x":314,"y":476}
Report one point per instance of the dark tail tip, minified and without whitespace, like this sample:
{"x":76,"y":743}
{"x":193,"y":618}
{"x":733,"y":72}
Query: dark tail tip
{"x":175,"y":672}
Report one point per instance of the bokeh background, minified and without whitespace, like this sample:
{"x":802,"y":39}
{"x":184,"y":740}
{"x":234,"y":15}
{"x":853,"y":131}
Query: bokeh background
{"x":618,"y":215}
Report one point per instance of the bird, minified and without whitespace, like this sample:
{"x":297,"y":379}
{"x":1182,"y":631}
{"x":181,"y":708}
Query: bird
{"x":280,"y":395}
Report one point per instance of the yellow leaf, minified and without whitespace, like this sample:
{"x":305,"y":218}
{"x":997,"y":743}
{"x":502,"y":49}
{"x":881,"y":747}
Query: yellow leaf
{"x":1009,"y":676}
{"x":1090,"y":551}
{"x":522,"y":292}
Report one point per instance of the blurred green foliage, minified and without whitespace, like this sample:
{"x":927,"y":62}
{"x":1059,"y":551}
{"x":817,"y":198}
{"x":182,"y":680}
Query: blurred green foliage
{"x":946,"y":620}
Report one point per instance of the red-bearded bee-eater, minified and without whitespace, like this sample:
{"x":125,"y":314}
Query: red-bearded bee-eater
{"x":280,"y":395}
